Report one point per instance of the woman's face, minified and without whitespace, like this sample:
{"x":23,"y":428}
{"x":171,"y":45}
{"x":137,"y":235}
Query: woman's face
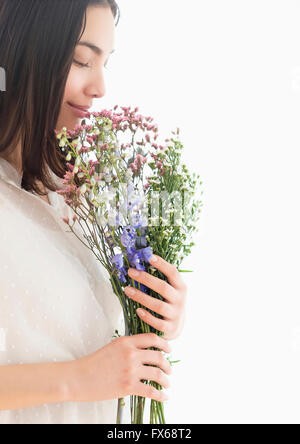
{"x":85,"y":83}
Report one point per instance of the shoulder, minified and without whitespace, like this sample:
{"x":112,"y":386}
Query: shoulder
{"x":7,"y":195}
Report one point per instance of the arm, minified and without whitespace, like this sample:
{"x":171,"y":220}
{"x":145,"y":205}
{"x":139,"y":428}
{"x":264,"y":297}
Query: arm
{"x":26,"y":385}
{"x":113,"y":371}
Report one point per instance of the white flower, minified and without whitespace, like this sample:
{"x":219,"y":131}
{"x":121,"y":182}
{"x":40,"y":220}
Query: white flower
{"x":164,"y":221}
{"x":101,"y":219}
{"x":63,"y":142}
{"x":77,"y":143}
{"x":112,"y":218}
{"x":105,"y":196}
{"x":95,"y":203}
{"x":106,"y":170}
{"x":77,"y":161}
{"x":153,"y":221}
{"x":108,"y":178}
{"x":129,"y":175}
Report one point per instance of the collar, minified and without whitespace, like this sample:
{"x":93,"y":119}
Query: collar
{"x":9,"y":174}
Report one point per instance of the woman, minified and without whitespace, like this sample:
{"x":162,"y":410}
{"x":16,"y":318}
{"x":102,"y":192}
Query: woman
{"x":59,"y":362}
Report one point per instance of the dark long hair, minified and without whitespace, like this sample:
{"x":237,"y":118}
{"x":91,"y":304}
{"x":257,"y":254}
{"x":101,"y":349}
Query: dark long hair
{"x":37,"y":44}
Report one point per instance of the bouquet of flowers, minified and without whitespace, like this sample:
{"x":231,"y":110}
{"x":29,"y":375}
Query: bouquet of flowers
{"x":132,"y":198}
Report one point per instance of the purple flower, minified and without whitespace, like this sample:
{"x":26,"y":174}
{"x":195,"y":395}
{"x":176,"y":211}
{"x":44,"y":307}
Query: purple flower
{"x":128,"y":236}
{"x":117,"y":260}
{"x":143,"y":231}
{"x":136,"y":261}
{"x":142,"y":287}
{"x":118,"y":265}
{"x":122,"y":277}
{"x":132,"y":257}
{"x":141,"y":241}
{"x":130,"y":253}
{"x":110,"y":240}
{"x":146,"y":254}
{"x":137,"y":221}
{"x":131,"y":201}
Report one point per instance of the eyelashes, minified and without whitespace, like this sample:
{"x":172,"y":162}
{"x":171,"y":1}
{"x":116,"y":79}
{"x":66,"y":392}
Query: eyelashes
{"x":85,"y":65}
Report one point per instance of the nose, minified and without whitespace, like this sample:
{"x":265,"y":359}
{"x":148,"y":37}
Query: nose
{"x":96,"y":88}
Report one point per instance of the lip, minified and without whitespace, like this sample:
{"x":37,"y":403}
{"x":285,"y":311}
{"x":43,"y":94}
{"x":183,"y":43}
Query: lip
{"x":79,"y":111}
{"x":84,"y":108}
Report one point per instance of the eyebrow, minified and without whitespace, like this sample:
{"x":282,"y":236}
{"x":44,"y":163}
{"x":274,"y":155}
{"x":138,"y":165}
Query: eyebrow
{"x":94,"y":48}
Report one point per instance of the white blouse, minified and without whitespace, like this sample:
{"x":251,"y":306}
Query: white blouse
{"x":56,"y":301}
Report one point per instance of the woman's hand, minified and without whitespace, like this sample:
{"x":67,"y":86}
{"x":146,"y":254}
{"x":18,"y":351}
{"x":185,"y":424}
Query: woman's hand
{"x":117,"y":369}
{"x":174,"y":293}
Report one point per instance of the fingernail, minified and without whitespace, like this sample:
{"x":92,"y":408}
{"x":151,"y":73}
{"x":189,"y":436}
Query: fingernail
{"x":134,"y":272}
{"x":141,"y":312}
{"x":130,"y":291}
{"x":153,"y":258}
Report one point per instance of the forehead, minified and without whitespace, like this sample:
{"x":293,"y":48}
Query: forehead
{"x":99,"y":33}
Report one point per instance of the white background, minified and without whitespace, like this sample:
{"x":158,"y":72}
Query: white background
{"x":228,"y":74}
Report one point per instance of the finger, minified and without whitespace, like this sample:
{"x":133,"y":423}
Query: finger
{"x":145,"y":340}
{"x":158,"y":306}
{"x":148,"y":391}
{"x":169,"y":270}
{"x":156,"y":358}
{"x":154,"y":374}
{"x":158,"y":324}
{"x":158,"y":285}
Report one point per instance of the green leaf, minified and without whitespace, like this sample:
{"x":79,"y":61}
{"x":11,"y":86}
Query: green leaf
{"x":186,"y":271}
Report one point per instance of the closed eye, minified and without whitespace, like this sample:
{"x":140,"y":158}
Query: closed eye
{"x":86,"y":65}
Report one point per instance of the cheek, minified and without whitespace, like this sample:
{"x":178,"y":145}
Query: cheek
{"x":74,"y":85}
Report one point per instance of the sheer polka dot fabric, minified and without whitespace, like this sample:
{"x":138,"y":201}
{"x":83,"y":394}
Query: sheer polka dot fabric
{"x":56,"y":301}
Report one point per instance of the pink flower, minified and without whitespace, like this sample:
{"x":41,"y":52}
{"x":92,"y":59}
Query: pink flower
{"x":90,"y":140}
{"x":139,"y":158}
{"x":69,"y":165}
